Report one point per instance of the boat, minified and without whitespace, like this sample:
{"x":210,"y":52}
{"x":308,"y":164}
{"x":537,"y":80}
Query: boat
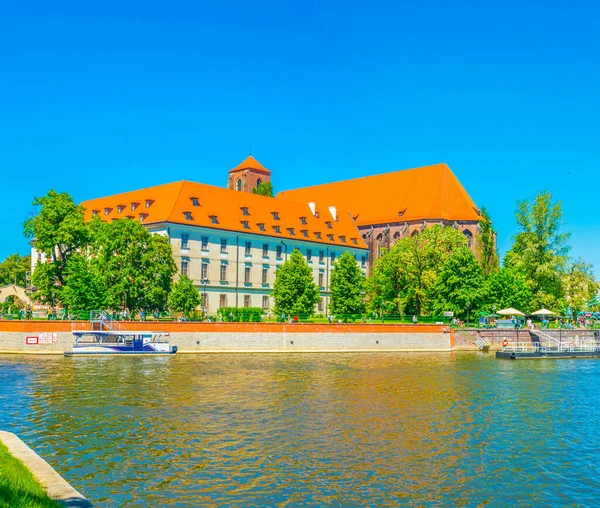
{"x":103,"y":336}
{"x":548,"y":346}
{"x":111,"y":342}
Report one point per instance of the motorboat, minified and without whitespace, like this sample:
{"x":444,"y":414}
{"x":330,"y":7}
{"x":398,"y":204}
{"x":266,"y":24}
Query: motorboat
{"x":112,"y":342}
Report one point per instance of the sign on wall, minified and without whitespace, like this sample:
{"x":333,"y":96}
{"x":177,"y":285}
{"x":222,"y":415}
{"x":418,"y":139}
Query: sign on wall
{"x":42,"y":338}
{"x":30,"y":341}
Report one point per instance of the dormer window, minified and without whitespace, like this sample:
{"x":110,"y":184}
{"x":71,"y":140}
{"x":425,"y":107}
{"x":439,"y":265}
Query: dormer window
{"x":330,"y":237}
{"x":261,"y":226}
{"x":245,"y":210}
{"x":318,"y":235}
{"x":120,"y":208}
{"x":401,"y":212}
{"x":291,"y":231}
{"x":276,"y":229}
{"x":245,"y":224}
{"x":143,"y":217}
{"x":134,"y":206}
{"x":275,"y":215}
{"x":149,"y":203}
{"x":95,"y":212}
{"x":195,"y":202}
{"x":131,"y":217}
{"x":188,"y":215}
{"x":303,"y":220}
{"x":213,"y":219}
{"x":354,"y":241}
{"x":107,"y":210}
{"x":343,"y":239}
{"x":304,"y":232}
{"x":328,"y":224}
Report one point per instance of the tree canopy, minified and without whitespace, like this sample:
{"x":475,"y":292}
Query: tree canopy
{"x":184,"y":296}
{"x":346,"y":287}
{"x":14,"y":270}
{"x":264,"y":189}
{"x":294,"y":290}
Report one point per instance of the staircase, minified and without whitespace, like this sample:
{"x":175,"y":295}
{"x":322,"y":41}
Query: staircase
{"x":546,"y":337}
{"x":101,"y":321}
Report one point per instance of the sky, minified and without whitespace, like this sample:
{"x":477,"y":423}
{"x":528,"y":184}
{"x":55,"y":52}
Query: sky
{"x":98,"y":98}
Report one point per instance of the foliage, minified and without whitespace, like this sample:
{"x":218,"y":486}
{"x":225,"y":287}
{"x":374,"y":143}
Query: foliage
{"x":459,"y":284}
{"x":347,"y":284}
{"x":264,"y":189}
{"x":508,"y":288}
{"x":85,"y":287}
{"x":486,"y":245}
{"x":406,"y":275}
{"x":46,"y":281}
{"x":294,"y":290}
{"x":14,"y":270}
{"x":579,"y":284}
{"x":241,"y":314}
{"x":138,"y":266}
{"x":540,"y":251}
{"x":184,"y":296}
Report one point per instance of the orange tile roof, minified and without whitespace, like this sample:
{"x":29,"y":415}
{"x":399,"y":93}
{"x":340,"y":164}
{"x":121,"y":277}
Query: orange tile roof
{"x":428,"y":192}
{"x":174,"y":203}
{"x":250,"y":163}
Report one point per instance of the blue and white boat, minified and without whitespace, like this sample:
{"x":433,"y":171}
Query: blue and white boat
{"x":109,"y":342}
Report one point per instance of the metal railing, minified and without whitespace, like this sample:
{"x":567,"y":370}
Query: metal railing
{"x":567,"y":346}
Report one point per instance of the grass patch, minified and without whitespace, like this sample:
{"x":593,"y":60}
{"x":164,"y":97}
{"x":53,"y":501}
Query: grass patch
{"x":18,"y":487}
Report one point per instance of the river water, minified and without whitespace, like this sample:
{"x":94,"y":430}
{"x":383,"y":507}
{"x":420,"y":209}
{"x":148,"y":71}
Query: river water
{"x":425,"y":429}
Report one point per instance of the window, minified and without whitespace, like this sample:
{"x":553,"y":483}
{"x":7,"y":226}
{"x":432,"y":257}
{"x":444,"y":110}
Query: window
{"x":290,"y":231}
{"x":265,"y":250}
{"x":247,"y":275}
{"x":205,"y":302}
{"x":265,"y":302}
{"x":223,"y":244}
{"x":222,"y":301}
{"x":214,"y":219}
{"x":204,"y":271}
{"x":343,"y":239}
{"x":303,"y":220}
{"x":318,"y":235}
{"x":245,"y":210}
{"x":278,"y":251}
{"x":277,"y":229}
{"x":134,"y":206}
{"x":143,"y":217}
{"x":469,"y":237}
{"x":308,"y":255}
{"x":328,"y":224}
{"x":246,"y":300}
{"x":149,"y":203}
{"x":265,"y":275}
{"x":321,"y":279}
{"x":248,"y":249}
{"x":304,"y":232}
{"x":205,"y":243}
{"x":107,"y":211}
{"x":275,"y":215}
{"x":320,"y":305}
{"x":184,"y":266}
{"x":120,"y":208}
{"x":188,"y":215}
{"x":195,"y":202}
{"x":261,"y":226}
{"x":238,"y":184}
{"x":321,"y":256}
{"x":258,"y":182}
{"x":354,"y":241}
{"x":363,"y":261}
{"x":185,"y":240}
{"x":332,"y":257}
{"x":245,"y":224}
{"x":223,"y":275}
{"x":330,"y":237}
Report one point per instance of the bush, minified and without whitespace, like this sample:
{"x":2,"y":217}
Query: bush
{"x":241,"y":315}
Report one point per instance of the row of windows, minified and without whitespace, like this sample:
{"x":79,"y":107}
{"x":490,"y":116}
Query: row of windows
{"x":248,"y":302}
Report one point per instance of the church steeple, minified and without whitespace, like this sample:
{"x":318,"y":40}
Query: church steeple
{"x":247,"y":175}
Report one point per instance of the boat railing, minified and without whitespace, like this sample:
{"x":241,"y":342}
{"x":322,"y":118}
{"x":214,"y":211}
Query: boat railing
{"x":106,"y":322}
{"x":566,"y":346}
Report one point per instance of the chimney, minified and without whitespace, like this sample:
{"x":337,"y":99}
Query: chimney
{"x":333,"y":212}
{"x":313,"y":208}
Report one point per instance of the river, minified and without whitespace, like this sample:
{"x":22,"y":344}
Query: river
{"x":426,"y":429}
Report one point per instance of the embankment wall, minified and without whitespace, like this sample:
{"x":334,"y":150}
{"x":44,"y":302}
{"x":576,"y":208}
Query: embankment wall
{"x":54,"y":337}
{"x":464,"y":339}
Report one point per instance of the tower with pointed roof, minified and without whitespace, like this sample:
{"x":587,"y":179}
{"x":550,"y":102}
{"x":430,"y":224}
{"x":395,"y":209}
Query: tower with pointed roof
{"x":247,"y":175}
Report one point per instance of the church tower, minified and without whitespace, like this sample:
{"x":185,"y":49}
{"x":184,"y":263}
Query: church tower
{"x":247,"y":175}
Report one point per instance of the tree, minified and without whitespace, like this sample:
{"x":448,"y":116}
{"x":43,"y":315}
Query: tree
{"x":84,"y":288}
{"x":184,"y":296}
{"x":295,"y":291}
{"x":579,"y":284}
{"x":138,"y":266}
{"x":347,"y":282}
{"x":508,"y":288}
{"x":539,"y":251}
{"x":14,"y":270}
{"x":264,"y":189}
{"x":486,"y":245}
{"x":459,"y":284}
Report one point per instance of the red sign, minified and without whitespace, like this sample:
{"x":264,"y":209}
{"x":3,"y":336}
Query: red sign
{"x":30,"y":341}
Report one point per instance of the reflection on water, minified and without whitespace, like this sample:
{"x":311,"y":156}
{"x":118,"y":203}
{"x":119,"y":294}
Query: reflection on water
{"x":394,"y":429}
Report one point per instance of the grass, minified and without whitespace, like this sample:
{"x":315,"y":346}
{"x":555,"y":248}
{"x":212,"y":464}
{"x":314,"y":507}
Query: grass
{"x":18,"y":487}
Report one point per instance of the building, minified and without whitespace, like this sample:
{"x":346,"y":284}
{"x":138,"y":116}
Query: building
{"x":391,"y":206}
{"x":231,"y":243}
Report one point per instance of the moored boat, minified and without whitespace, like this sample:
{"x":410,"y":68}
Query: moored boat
{"x":110,"y":342}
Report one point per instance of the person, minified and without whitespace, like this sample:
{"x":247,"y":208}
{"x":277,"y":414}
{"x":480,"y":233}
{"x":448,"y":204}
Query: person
{"x":415,"y":320}
{"x":156,"y":314}
{"x":143,"y":315}
{"x":529,"y":323}
{"x":330,"y":318}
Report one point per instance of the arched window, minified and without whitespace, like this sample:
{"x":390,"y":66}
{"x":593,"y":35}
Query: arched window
{"x":379,"y":245}
{"x":396,"y":236}
{"x":415,"y":232}
{"x":238,"y":184}
{"x":258,"y":182}
{"x":469,"y":237}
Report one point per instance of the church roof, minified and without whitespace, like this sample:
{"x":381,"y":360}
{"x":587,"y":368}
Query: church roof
{"x":250,"y":163}
{"x":428,"y":192}
{"x":197,"y":204}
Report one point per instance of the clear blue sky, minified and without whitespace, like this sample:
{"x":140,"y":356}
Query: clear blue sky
{"x":104,"y":97}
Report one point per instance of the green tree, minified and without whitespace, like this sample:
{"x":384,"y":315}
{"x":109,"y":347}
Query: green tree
{"x":295,"y":291}
{"x":486,"y":245}
{"x":347,"y":283}
{"x":184,"y":296}
{"x":579,"y":284}
{"x":138,"y":266}
{"x":540,"y":250}
{"x":14,"y":270}
{"x":459,"y":284}
{"x":508,"y":288}
{"x":84,"y":288}
{"x":264,"y":189}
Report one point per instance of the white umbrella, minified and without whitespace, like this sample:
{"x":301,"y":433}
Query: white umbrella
{"x":510,"y":312}
{"x":542,"y":312}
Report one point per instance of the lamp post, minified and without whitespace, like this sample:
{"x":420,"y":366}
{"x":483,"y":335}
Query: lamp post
{"x":468,"y":307}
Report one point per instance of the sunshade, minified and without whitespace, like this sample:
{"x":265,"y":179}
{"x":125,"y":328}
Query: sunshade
{"x":542,"y":312}
{"x":510,"y":312}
